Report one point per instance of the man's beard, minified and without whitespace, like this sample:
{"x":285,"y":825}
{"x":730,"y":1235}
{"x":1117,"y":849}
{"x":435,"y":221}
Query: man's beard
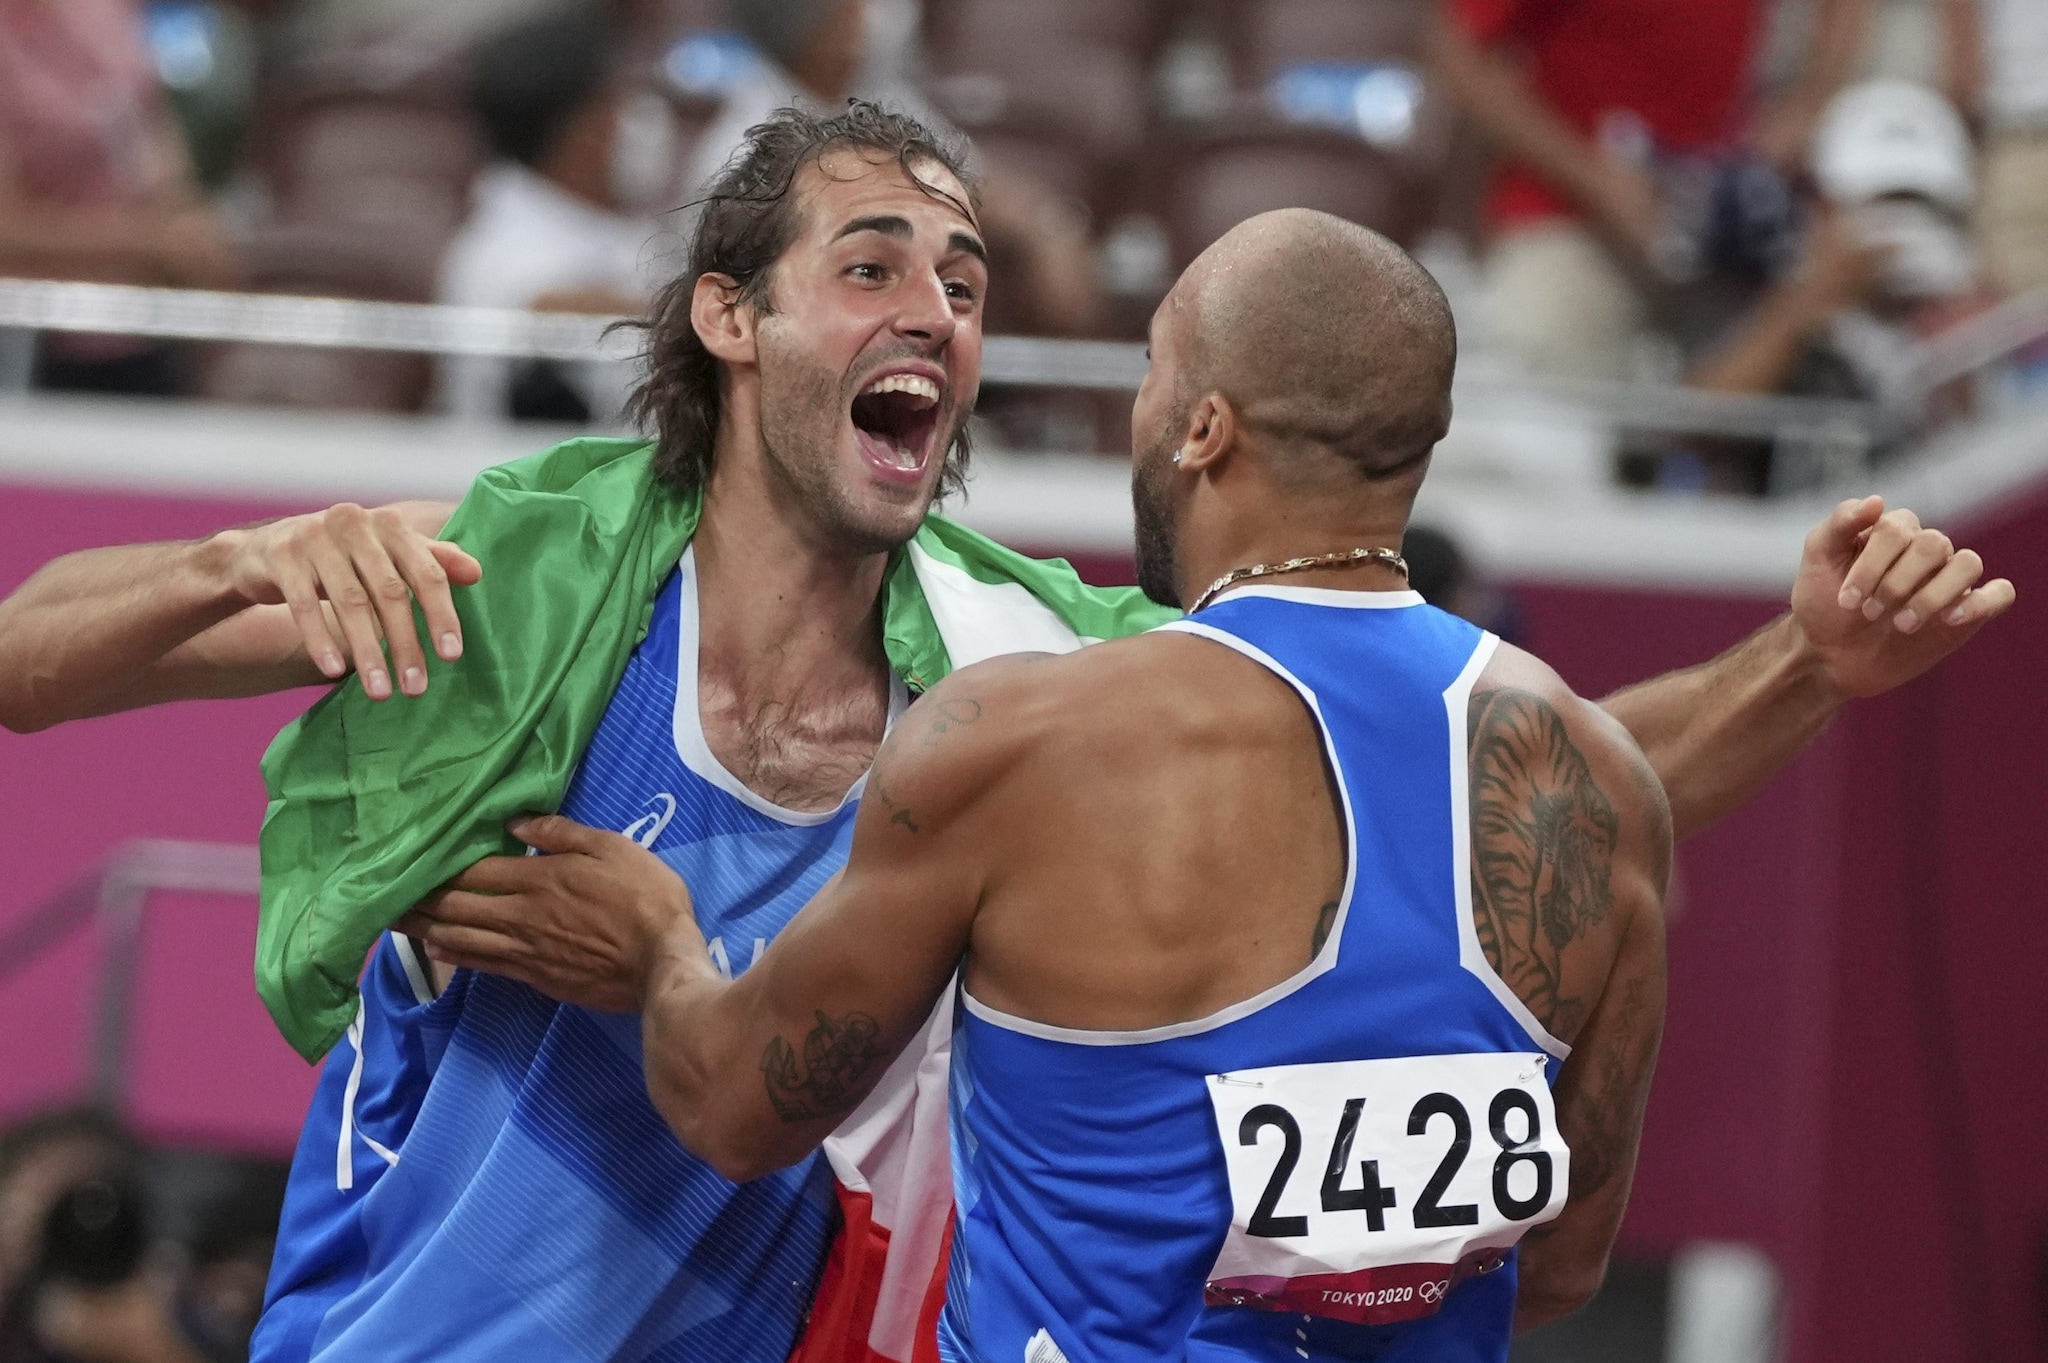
{"x":801,"y":407}
{"x":1158,"y":573}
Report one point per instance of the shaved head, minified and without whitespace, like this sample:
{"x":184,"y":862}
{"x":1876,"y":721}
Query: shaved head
{"x":1331,"y":352}
{"x":1328,"y":339}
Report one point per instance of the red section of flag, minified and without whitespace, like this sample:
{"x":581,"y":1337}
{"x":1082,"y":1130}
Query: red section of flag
{"x":844,"y":1310}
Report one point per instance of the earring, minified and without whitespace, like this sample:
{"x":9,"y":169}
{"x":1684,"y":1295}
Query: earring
{"x":1176,"y":458}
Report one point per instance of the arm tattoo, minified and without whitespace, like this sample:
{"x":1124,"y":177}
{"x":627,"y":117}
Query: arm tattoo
{"x":1601,"y":1114}
{"x":826,"y":1083}
{"x":1543,"y":837}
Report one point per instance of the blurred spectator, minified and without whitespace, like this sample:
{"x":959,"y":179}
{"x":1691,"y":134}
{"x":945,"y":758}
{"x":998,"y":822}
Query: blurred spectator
{"x":94,"y":182}
{"x":1628,"y":138}
{"x":813,"y":55}
{"x":562,"y":221}
{"x":97,"y":1296}
{"x":39,"y":1159}
{"x":43,"y":1161}
{"x":1888,"y":263}
{"x":87,"y":1273}
{"x":1998,"y":72}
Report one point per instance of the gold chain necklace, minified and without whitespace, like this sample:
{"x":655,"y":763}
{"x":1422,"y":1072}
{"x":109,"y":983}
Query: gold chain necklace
{"x":1343,"y":558}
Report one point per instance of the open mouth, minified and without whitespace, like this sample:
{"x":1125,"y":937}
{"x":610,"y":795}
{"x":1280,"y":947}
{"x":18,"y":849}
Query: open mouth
{"x":895,"y":420}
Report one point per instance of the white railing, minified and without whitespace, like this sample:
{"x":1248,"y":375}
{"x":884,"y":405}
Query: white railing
{"x":29,"y":306}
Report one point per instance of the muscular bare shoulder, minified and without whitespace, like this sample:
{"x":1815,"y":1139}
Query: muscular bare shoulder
{"x":1007,"y":727}
{"x":1570,"y":837}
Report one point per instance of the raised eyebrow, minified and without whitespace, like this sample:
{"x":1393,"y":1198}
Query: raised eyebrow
{"x":891,"y":225}
{"x":888,"y":224}
{"x":968,"y":244}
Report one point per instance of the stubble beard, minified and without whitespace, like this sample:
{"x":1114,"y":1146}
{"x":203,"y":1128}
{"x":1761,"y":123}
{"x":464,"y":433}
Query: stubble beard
{"x":801,"y":407}
{"x":1152,"y":518}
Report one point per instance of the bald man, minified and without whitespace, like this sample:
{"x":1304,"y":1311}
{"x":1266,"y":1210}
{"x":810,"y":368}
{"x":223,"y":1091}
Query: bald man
{"x":1310,"y":947}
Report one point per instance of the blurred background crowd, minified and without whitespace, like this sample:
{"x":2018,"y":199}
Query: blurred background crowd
{"x":1743,"y":196}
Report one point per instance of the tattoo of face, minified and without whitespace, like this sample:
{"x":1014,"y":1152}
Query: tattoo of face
{"x":1326,"y":917}
{"x":826,"y":1082}
{"x":1543,"y":838}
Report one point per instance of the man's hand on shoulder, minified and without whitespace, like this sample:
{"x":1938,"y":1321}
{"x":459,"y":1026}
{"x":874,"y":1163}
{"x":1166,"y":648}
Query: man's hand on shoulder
{"x":1881,"y":598}
{"x":369,"y":565}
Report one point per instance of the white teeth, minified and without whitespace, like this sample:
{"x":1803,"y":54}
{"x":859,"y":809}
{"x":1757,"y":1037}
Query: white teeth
{"x":916,"y":385}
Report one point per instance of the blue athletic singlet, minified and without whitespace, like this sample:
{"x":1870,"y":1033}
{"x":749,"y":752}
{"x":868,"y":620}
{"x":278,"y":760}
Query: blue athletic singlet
{"x":483,"y":1177}
{"x":1338,"y":1167}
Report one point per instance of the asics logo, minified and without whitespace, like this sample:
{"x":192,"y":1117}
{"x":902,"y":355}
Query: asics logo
{"x":645,"y":829}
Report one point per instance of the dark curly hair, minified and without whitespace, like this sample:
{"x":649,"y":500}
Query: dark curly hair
{"x":747,"y":220}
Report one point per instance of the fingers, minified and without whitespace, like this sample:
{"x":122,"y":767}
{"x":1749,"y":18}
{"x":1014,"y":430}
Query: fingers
{"x":449,"y":907}
{"x":476,"y":948}
{"x":1981,"y":605}
{"x":391,"y":598}
{"x":554,"y":833}
{"x":1835,"y":539}
{"x":354,"y":612}
{"x":302,"y":594}
{"x":500,"y":876}
{"x":1890,"y":537}
{"x":1925,"y":555}
{"x":1940,"y":592}
{"x":370,"y":566}
{"x":462,"y":570}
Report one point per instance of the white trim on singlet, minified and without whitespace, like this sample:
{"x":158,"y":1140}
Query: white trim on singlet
{"x":694,"y":749}
{"x":1323,"y":596}
{"x":1325,"y":960}
{"x":1457,"y":702}
{"x":418,"y":976}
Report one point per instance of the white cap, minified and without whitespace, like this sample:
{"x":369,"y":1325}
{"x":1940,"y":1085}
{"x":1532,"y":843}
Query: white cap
{"x":1893,"y":137}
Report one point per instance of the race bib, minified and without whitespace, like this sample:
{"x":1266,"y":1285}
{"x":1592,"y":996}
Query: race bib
{"x":1365,"y":1190}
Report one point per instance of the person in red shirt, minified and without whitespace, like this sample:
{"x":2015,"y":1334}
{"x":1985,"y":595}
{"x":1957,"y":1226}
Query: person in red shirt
{"x":1581,"y":99}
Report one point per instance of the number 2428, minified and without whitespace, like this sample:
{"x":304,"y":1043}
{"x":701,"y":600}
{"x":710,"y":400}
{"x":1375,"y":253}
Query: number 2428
{"x":1374,"y":1199}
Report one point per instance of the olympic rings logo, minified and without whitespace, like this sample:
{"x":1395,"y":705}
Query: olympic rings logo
{"x":1433,"y":1292}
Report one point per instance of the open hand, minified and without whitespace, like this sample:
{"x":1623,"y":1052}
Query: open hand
{"x":1881,"y":598}
{"x":370,"y":565}
{"x":581,"y":925}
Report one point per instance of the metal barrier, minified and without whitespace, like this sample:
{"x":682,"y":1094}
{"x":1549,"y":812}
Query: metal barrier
{"x":114,"y":895}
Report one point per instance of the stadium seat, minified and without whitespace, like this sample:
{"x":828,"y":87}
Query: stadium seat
{"x":1223,"y":178}
{"x":1271,"y":35}
{"x":366,"y":187}
{"x":372,"y":160}
{"x":1010,"y":33}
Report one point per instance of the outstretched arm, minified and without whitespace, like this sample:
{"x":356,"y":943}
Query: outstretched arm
{"x":753,"y":1073}
{"x":1879,"y":599}
{"x":293,"y":602}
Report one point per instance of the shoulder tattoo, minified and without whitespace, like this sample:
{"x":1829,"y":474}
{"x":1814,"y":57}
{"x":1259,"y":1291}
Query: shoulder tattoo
{"x":1543,"y":839}
{"x":941,"y":718}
